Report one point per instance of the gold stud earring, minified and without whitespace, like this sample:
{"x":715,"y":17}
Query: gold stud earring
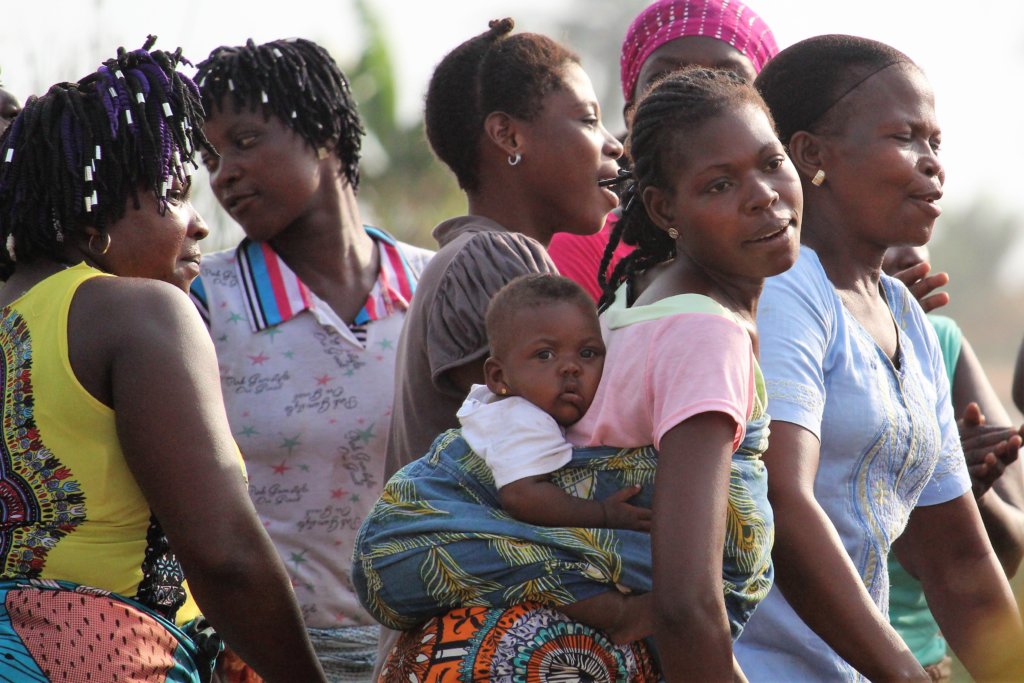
{"x":673,"y":234}
{"x":322,"y":153}
{"x":818,"y":178}
{"x":503,"y":391}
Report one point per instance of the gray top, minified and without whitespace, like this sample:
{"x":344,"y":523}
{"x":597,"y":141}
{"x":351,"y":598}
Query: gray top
{"x":444,"y":326}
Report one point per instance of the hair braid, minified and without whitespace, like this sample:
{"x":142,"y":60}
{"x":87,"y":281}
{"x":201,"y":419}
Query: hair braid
{"x":73,"y":157}
{"x":671,"y":111}
{"x":296,"y":81}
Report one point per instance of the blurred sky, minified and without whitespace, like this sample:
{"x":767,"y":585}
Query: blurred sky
{"x":974,"y":65}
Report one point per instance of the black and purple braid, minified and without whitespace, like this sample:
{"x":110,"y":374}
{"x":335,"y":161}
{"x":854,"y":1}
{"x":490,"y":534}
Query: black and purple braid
{"x":73,"y":157}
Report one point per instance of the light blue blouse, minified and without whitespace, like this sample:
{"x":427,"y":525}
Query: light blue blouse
{"x":888,"y":438}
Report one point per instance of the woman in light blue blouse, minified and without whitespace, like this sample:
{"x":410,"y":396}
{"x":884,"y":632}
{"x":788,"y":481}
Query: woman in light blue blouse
{"x":864,"y":445}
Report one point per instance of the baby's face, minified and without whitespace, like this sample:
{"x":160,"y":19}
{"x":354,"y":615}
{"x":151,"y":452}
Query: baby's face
{"x":555,"y":361}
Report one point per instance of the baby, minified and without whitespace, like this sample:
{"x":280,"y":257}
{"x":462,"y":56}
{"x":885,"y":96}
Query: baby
{"x":546,"y":360}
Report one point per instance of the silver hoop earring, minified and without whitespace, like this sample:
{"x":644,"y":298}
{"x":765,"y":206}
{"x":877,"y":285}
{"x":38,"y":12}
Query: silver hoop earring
{"x":106,"y":244}
{"x":514,"y":159}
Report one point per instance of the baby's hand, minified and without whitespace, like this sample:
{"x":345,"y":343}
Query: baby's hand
{"x":618,"y":514}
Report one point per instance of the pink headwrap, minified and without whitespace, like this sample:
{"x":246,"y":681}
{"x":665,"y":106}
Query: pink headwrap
{"x":729,"y":21}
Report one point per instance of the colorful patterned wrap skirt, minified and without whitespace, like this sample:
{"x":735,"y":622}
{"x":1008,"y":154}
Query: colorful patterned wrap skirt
{"x":60,"y":631}
{"x":523,"y":643}
{"x":438,"y":539}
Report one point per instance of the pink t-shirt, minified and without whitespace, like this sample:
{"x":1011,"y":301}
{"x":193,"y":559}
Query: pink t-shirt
{"x":578,"y":257}
{"x":666,"y":362}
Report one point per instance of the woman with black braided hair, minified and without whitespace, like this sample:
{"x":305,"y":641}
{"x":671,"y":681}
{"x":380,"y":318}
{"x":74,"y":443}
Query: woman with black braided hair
{"x":305,"y":315}
{"x":114,"y":432}
{"x":714,"y":209}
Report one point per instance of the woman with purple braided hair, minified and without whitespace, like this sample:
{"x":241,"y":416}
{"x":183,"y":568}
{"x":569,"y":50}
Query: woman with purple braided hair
{"x":118,"y":473}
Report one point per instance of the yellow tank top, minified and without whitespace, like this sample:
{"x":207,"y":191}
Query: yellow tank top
{"x":69,"y":506}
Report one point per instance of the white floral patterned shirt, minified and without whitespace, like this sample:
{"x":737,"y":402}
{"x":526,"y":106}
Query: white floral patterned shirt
{"x":309,"y":401}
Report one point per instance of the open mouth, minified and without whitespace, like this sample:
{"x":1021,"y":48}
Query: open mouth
{"x":778,"y":231}
{"x":928,"y":204}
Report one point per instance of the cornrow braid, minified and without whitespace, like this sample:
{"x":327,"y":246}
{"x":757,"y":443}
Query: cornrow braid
{"x":73,"y":157}
{"x":494,"y":71}
{"x":671,"y":111}
{"x":295,"y":80}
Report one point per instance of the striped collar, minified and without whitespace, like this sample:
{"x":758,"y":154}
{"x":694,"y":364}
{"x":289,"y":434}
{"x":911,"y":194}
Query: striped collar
{"x":274,"y":294}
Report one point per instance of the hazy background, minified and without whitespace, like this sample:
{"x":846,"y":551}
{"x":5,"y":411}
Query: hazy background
{"x":972,"y":53}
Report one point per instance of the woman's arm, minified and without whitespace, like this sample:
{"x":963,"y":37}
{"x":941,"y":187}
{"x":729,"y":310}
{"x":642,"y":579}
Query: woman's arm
{"x":814,"y":571}
{"x":1001,"y":506}
{"x":944,"y":546}
{"x":691,"y":492}
{"x":464,"y":376}
{"x":173,"y":429}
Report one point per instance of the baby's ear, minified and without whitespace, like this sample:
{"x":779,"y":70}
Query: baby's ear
{"x":494,"y":376}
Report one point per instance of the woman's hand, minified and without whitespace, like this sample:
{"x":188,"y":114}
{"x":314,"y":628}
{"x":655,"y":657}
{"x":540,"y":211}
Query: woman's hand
{"x":988,"y":450}
{"x":1002,"y":506}
{"x":923,"y":286}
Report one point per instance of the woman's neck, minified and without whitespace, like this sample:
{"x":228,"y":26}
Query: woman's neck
{"x":27,"y":275}
{"x":852,"y":265}
{"x":682,"y":275}
{"x":509,"y":214}
{"x":333,"y":255}
{"x":330,"y":246}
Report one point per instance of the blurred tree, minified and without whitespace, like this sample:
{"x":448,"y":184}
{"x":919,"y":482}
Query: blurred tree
{"x":405,"y":190}
{"x":972,"y":243}
{"x":596,"y":32}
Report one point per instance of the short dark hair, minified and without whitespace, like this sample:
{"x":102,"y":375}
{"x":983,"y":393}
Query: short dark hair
{"x":494,"y":71}
{"x":804,"y":83}
{"x":674,"y":106}
{"x":528,"y":291}
{"x":73,"y":157}
{"x":295,"y":80}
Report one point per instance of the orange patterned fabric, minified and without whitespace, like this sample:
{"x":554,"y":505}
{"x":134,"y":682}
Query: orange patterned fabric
{"x":231,"y":669}
{"x":526,"y":642}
